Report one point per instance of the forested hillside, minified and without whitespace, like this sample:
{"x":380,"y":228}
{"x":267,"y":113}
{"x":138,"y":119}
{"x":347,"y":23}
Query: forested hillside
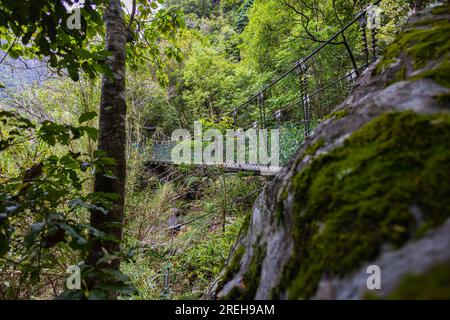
{"x":83,"y":106}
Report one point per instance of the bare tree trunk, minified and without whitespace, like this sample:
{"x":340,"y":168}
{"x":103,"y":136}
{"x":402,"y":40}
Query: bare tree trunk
{"x":112,"y":134}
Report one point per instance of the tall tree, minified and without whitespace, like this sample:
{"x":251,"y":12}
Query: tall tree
{"x":38,"y":29}
{"x":112,"y":135}
{"x":113,"y":109}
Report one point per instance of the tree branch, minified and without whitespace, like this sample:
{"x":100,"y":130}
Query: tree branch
{"x":306,"y":25}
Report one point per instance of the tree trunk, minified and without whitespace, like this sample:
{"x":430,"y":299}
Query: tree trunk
{"x":418,"y":4}
{"x":112,"y":134}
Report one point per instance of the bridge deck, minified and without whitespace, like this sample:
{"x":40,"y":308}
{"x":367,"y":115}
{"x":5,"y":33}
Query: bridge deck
{"x":301,"y":97}
{"x":231,"y":167}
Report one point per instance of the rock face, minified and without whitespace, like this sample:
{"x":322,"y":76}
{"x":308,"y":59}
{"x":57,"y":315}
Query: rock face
{"x":371,"y":186}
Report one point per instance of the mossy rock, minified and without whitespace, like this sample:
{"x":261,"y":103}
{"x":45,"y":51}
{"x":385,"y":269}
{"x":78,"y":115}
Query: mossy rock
{"x":233,"y":267}
{"x":250,"y":279}
{"x":434,"y":284}
{"x":379,"y":166}
{"x":352,"y":200}
{"x":423,"y":43}
{"x":338,"y":114}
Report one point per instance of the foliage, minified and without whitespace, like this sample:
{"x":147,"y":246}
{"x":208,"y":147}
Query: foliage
{"x":39,"y":29}
{"x":188,"y":60}
{"x":183,"y":265}
{"x":43,"y":203}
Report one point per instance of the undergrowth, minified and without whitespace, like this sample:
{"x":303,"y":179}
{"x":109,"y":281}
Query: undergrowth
{"x":182,"y":264}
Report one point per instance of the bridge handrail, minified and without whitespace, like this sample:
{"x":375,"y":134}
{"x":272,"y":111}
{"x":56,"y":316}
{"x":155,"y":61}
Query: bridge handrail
{"x":357,"y":17}
{"x":306,"y":91}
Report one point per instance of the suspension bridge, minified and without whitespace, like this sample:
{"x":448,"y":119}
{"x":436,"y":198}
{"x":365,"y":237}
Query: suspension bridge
{"x":300,"y":98}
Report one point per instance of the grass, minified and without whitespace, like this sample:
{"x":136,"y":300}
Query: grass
{"x":185,"y":265}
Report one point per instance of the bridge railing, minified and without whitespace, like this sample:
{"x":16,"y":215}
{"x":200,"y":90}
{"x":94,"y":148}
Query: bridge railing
{"x":316,"y":83}
{"x":301,"y":97}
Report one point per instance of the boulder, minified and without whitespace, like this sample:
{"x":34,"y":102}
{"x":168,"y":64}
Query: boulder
{"x":370,"y":186}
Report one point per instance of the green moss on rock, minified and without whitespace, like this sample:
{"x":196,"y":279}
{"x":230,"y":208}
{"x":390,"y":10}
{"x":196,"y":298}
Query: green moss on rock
{"x":421,"y":45}
{"x":233,"y":267}
{"x":442,"y":9}
{"x":355,"y":198}
{"x":432,"y":285}
{"x":444,"y":100}
{"x":278,"y":212}
{"x":245,"y":224}
{"x":250,"y":279}
{"x":439,"y":73}
{"x":311,"y":150}
{"x":338,"y":114}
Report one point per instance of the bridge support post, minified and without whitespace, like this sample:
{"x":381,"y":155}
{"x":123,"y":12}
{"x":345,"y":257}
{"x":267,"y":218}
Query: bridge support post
{"x":235,"y":117}
{"x":304,"y":97}
{"x":374,"y":43}
{"x":363,"y":26}
{"x":262,"y":110}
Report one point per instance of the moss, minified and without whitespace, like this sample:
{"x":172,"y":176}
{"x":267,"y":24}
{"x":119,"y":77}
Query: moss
{"x":250,"y":279}
{"x":233,"y":267}
{"x":234,"y":294}
{"x":399,"y":75}
{"x":311,"y":150}
{"x":442,"y":9}
{"x":245,"y":224}
{"x":338,"y":114}
{"x":283,"y":194}
{"x":421,"y":45}
{"x":439,"y":73}
{"x":279,"y":212}
{"x":431,"y":285}
{"x":350,"y":201}
{"x":443,"y":100}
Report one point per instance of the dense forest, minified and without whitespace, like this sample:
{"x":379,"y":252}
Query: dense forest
{"x":84,"y":100}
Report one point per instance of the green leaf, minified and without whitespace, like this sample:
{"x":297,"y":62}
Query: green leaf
{"x":91,"y":132}
{"x":70,"y":295}
{"x":115,"y":274}
{"x":78,"y":203}
{"x":110,"y":175}
{"x":87,"y":116}
{"x":154,"y":5}
{"x":50,"y":132}
{"x":107,"y":161}
{"x":73,"y":72}
{"x":31,"y":236}
{"x":4,"y":244}
{"x":117,"y":288}
{"x":95,"y":294}
{"x":78,"y":241}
